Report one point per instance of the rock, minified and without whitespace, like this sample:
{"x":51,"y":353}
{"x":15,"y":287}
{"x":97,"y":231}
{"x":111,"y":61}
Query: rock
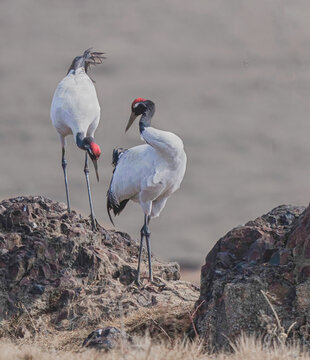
{"x":22,"y":332}
{"x":107,"y":338}
{"x":56,"y":272}
{"x":270,"y":254}
{"x":37,"y":289}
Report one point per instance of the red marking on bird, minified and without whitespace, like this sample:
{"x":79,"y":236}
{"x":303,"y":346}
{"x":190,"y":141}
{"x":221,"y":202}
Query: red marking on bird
{"x":136,"y":101}
{"x":95,"y":150}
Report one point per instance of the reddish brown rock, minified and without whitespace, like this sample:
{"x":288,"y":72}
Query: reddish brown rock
{"x":56,"y":271}
{"x":270,"y":254}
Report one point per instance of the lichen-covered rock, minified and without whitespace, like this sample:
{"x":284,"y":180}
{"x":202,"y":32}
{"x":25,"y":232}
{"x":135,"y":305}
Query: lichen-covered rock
{"x":56,"y":273}
{"x":107,"y":338}
{"x":270,"y":254}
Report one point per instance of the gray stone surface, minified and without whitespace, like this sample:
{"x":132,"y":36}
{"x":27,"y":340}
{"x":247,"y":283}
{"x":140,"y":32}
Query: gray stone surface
{"x":270,"y":254}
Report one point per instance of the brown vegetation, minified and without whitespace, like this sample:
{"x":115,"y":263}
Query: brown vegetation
{"x":145,"y":349}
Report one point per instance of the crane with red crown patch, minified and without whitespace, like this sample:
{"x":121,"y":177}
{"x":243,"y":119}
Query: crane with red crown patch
{"x":75,"y":111}
{"x":148,"y":174}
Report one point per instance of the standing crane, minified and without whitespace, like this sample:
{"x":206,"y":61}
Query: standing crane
{"x":147,"y":174}
{"x":75,"y":110}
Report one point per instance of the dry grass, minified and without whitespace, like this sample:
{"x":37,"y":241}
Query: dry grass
{"x":251,"y":348}
{"x":159,"y":334}
{"x":162,"y":323}
{"x":144,"y":349}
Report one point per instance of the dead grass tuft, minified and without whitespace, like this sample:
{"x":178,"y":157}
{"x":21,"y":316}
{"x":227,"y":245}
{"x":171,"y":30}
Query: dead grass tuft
{"x":275,"y":332}
{"x":249,"y":348}
{"x":254,"y":348}
{"x":162,"y":323}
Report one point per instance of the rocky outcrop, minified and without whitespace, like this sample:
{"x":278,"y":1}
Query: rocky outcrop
{"x":270,"y":254}
{"x":57,"y":274}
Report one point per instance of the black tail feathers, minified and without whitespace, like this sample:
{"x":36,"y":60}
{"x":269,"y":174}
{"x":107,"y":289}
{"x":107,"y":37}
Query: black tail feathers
{"x":112,"y":203}
{"x":117,"y":153}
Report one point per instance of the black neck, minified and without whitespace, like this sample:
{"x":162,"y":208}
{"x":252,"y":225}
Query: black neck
{"x":79,"y":140}
{"x":146,"y":117}
{"x":83,"y":142}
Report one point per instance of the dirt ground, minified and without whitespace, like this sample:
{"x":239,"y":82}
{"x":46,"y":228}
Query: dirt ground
{"x":232,"y":78}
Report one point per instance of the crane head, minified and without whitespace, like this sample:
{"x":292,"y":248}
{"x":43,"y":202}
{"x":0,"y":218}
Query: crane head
{"x":136,"y":102}
{"x":94,"y":150}
{"x":137,"y":108}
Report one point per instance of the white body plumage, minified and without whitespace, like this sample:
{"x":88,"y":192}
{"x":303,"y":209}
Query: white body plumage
{"x":75,"y":107}
{"x":150,"y":173}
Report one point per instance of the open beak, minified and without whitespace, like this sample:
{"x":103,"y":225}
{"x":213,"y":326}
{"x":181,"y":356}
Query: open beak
{"x":96,"y":168}
{"x":131,"y":120}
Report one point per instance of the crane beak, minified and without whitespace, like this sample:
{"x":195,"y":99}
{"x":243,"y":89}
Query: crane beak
{"x":131,"y":120}
{"x":96,"y":168}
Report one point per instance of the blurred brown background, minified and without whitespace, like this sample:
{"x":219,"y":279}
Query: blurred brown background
{"x":232,"y":78}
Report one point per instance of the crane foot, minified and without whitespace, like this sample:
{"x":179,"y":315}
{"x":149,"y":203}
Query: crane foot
{"x":138,"y":282}
{"x":94,"y":223}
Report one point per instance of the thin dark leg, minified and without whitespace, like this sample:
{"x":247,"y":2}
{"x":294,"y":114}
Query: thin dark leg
{"x":139,"y":258}
{"x":144,"y":233}
{"x":148,"y":246}
{"x":86,"y":171}
{"x":64,"y":167}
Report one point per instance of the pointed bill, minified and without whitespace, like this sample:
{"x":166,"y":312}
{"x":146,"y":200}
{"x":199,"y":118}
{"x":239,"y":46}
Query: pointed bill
{"x":96,"y":168}
{"x":131,"y":120}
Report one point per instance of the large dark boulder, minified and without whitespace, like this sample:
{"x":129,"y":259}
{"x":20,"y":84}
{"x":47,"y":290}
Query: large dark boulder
{"x":57,"y":274}
{"x":270,"y":254}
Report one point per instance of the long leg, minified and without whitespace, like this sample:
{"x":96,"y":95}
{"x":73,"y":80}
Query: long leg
{"x":64,"y":167}
{"x":144,"y":233}
{"x":148,"y":246}
{"x":86,"y":171}
{"x":139,"y":258}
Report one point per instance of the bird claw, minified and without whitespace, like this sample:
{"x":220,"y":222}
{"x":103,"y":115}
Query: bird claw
{"x":94,"y":224}
{"x":158,"y":282}
{"x":139,"y":283}
{"x":98,"y":225}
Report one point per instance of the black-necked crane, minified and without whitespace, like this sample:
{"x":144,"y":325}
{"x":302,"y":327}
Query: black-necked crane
{"x":75,"y":110}
{"x":147,"y":174}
